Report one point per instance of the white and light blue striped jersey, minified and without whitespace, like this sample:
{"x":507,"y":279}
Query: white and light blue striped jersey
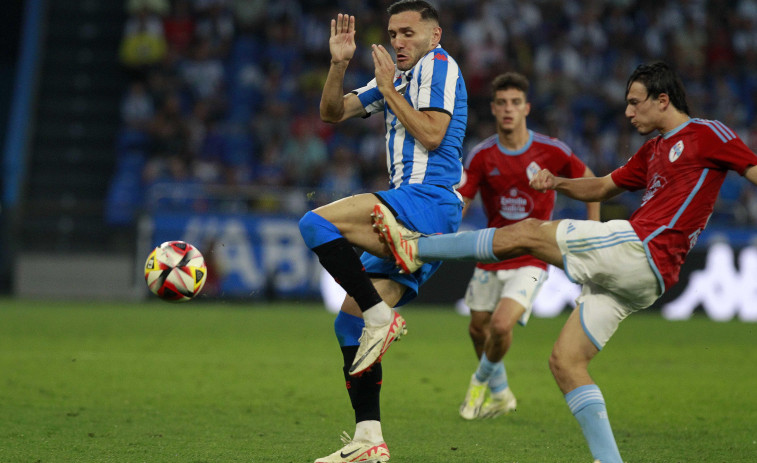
{"x":435,"y":83}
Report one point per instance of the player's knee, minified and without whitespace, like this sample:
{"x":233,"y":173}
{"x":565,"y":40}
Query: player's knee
{"x":520,"y":235}
{"x":477,"y":332}
{"x":566,"y":364}
{"x":501,"y":328}
{"x":560,"y":363}
{"x":316,"y":230}
{"x":555,"y":365}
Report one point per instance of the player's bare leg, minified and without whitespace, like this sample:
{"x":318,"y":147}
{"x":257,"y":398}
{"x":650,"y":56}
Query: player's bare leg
{"x":571,"y":355}
{"x":530,"y":236}
{"x":569,"y":362}
{"x":491,"y":371}
{"x":478,"y":329}
{"x":503,"y":320}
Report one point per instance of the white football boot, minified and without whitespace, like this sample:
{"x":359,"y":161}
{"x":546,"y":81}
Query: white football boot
{"x":401,"y":241}
{"x":500,"y":403}
{"x":474,"y":399}
{"x":375,"y":341}
{"x":357,"y":451}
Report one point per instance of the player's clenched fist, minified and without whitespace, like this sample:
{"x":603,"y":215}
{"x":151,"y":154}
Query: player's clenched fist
{"x":543,"y":180}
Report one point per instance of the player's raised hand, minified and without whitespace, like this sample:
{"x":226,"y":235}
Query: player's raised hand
{"x":543,"y":180}
{"x":385,"y":68}
{"x":342,"y":40}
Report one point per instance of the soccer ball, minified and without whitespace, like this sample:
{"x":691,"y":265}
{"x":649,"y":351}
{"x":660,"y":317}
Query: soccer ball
{"x":175,"y":271}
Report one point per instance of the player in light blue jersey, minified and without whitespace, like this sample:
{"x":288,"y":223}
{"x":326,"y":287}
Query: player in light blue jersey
{"x":423,"y":100}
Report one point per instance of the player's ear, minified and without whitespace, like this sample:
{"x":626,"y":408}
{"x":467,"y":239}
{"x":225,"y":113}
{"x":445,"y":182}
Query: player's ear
{"x":663,"y":100}
{"x":436,"y":36}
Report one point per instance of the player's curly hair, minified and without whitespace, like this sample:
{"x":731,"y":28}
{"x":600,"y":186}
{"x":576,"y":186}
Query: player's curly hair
{"x":426,"y":10}
{"x":659,"y":78}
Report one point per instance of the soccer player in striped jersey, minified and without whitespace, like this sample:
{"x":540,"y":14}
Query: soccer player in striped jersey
{"x":501,"y":294}
{"x":622,"y":265}
{"x":423,"y":100}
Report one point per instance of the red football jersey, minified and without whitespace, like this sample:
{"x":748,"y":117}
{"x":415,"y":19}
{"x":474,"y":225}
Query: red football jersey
{"x":502,"y":176}
{"x":682,"y":172}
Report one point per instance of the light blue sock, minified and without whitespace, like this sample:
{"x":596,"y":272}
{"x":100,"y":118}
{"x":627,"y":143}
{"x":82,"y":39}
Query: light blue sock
{"x":468,"y":245}
{"x":498,"y":378}
{"x":588,"y":406}
{"x":485,"y":369}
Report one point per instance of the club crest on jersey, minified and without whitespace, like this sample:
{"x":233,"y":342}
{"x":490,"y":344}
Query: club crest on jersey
{"x":675,"y":151}
{"x":532,"y":169}
{"x":516,"y":205}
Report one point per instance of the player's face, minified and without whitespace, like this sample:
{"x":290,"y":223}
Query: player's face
{"x":641,"y":109}
{"x":412,"y":37}
{"x":510,"y":109}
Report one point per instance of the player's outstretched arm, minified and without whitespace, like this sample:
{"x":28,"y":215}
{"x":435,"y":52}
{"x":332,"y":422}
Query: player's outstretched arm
{"x":335,"y":105}
{"x":751,"y":174}
{"x":583,"y":189}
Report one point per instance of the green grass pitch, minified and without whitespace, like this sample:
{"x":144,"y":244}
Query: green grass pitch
{"x":230,"y":382}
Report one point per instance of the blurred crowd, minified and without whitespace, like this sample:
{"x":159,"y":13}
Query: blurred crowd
{"x":220,"y":112}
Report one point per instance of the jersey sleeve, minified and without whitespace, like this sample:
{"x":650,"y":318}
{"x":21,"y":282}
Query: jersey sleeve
{"x":573,"y":168}
{"x":472,"y":177}
{"x":370,"y":97}
{"x":726,"y":150}
{"x":633,"y":175}
{"x":437,"y":83}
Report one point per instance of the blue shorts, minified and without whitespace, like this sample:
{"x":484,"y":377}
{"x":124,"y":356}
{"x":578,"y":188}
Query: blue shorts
{"x":428,"y":209}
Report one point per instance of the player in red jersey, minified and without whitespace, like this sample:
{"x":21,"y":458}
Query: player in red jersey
{"x":622,"y":265}
{"x":501,"y":294}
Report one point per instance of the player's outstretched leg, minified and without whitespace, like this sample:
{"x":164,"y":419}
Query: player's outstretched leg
{"x":357,"y":451}
{"x":375,"y":341}
{"x":411,"y":249}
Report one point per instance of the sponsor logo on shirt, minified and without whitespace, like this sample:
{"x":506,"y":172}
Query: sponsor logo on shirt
{"x":658,"y":181}
{"x":515,"y":205}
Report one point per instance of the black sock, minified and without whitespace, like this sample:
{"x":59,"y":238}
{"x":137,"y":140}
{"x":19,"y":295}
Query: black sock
{"x":364,"y":390}
{"x":339,"y":258}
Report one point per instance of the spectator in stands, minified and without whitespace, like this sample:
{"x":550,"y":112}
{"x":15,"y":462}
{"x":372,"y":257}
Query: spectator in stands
{"x":204,"y":76}
{"x":215,"y":24}
{"x":179,"y":27}
{"x":137,"y":107}
{"x":143,"y":44}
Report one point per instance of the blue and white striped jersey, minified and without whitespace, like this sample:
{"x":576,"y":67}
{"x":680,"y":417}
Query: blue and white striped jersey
{"x":435,"y":83}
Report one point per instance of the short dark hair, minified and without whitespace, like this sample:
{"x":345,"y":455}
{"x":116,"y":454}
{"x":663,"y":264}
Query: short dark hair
{"x":510,"y":80}
{"x":659,"y":78}
{"x":424,"y":8}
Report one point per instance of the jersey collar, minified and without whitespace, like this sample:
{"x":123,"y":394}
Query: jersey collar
{"x":677,"y":129}
{"x":516,"y":152}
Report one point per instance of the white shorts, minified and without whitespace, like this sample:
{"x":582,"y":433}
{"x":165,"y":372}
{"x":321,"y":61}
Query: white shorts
{"x":609,"y":261}
{"x":522,"y":285}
